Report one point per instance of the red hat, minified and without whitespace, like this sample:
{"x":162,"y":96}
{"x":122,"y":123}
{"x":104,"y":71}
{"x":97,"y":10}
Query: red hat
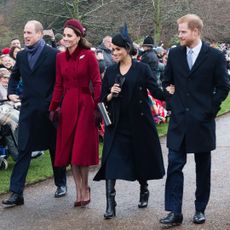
{"x":6,"y":50}
{"x":75,"y":24}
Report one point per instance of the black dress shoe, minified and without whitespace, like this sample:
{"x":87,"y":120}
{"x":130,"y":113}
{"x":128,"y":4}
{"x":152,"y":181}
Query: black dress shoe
{"x":172,"y":219}
{"x":13,"y":200}
{"x":199,"y":218}
{"x":61,"y":191}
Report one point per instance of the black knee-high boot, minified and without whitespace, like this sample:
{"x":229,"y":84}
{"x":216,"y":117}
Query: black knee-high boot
{"x":144,"y":194}
{"x":110,"y":199}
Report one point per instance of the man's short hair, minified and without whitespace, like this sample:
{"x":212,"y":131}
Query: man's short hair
{"x":193,"y":20}
{"x":106,"y":38}
{"x":37,"y":25}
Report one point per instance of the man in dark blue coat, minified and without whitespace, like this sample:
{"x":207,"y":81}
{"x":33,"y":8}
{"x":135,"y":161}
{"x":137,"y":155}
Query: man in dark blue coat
{"x":36,"y":66}
{"x":196,"y":81}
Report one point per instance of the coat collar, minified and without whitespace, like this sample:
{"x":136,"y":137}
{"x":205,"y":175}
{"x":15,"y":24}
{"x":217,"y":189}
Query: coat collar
{"x":200,"y":59}
{"x":41,"y":59}
{"x":74,"y":55}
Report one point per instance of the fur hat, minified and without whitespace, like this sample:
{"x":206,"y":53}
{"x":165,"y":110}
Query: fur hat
{"x":75,"y":24}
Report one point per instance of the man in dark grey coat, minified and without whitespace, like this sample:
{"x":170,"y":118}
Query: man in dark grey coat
{"x":106,"y":48}
{"x":196,"y":80}
{"x":36,"y":66}
{"x":149,"y":56}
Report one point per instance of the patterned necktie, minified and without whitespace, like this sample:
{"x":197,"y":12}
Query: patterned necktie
{"x":189,"y":58}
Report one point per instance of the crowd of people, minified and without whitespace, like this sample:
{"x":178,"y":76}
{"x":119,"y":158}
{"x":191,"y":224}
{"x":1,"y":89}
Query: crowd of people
{"x":50,"y":88}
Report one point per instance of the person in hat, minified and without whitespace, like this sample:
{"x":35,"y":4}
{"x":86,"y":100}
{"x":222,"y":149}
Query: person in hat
{"x":125,"y":156}
{"x":6,"y":50}
{"x":77,"y":134}
{"x":149,"y":56}
{"x":59,"y":42}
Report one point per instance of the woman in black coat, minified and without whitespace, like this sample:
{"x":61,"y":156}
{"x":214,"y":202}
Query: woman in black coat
{"x":132,"y":149}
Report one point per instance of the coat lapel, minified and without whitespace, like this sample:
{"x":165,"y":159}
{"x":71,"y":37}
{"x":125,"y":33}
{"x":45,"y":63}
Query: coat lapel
{"x":183,"y":59}
{"x":201,"y":58}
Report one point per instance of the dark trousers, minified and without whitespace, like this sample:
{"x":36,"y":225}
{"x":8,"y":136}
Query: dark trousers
{"x":20,"y":170}
{"x":175,"y":180}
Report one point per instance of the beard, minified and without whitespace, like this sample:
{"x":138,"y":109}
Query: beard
{"x":186,"y":42}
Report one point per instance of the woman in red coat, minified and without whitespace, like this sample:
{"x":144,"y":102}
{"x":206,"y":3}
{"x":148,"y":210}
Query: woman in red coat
{"x":77,"y":134}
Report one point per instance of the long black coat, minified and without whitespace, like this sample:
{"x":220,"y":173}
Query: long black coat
{"x":147,"y":153}
{"x":197,"y":98}
{"x":35,"y":130}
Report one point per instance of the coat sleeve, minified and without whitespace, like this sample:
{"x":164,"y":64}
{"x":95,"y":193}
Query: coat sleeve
{"x":151,"y":84}
{"x":221,"y":83}
{"x":168,"y":78}
{"x":14,"y":78}
{"x":95,"y":76}
{"x":58,"y":87}
{"x":106,"y":86}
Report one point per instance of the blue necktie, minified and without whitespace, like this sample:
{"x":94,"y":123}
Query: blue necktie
{"x":189,"y":59}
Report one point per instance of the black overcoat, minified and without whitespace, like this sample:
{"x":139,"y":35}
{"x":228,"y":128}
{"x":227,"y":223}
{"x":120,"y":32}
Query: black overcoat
{"x":147,"y":155}
{"x":35,"y":130}
{"x":197,"y":98}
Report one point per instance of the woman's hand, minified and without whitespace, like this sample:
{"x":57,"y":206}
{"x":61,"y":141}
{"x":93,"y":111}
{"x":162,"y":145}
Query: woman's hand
{"x":114,"y":91}
{"x":97,"y":117}
{"x":51,"y":116}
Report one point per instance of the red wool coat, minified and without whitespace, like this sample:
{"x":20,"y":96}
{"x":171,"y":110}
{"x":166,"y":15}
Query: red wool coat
{"x":77,"y":134}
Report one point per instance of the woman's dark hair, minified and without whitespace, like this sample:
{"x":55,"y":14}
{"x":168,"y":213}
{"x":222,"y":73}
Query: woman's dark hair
{"x":83,"y":42}
{"x":11,"y":53}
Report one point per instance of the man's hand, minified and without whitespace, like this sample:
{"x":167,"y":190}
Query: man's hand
{"x":170,"y":89}
{"x":13,"y":97}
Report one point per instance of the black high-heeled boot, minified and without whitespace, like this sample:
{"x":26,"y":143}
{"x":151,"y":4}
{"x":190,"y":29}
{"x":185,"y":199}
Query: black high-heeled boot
{"x":144,"y":195}
{"x":110,"y":199}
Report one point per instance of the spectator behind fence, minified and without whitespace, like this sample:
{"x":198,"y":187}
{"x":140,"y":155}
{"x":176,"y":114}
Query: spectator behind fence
{"x":13,"y":52}
{"x":36,"y":66}
{"x":106,"y":49}
{"x":15,"y":42}
{"x":149,"y":56}
{"x":9,"y":115}
{"x":196,"y":82}
{"x":77,"y":134}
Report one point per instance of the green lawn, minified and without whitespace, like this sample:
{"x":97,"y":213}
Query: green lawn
{"x":40,"y":168}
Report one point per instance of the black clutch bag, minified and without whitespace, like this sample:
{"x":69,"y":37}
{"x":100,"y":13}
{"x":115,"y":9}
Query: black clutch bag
{"x":104,"y":113}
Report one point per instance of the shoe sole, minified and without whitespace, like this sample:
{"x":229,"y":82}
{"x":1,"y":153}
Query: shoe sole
{"x":171,"y":225}
{"x":60,"y":195}
{"x":200,"y":222}
{"x":12,"y":205}
{"x":144,"y":206}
